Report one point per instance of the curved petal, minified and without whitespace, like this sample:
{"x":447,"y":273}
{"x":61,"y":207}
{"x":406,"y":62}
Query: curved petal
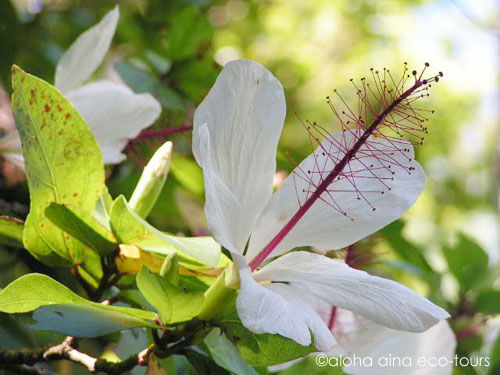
{"x":244,"y":114}
{"x":379,"y":178}
{"x":114,"y":114}
{"x":222,"y":207}
{"x":364,"y":339}
{"x":279,"y":309}
{"x":383,"y":301}
{"x":86,"y":53}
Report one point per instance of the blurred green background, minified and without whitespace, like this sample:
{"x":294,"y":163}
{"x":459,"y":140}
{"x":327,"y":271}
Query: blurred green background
{"x":446,"y":247}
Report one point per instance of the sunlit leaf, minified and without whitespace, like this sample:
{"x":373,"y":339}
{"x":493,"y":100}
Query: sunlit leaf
{"x":188,"y":173}
{"x":103,"y":208}
{"x":33,"y":290}
{"x":173,"y":303}
{"x":11,"y":231}
{"x":130,"y":227}
{"x":82,"y":226}
{"x":225,"y":353}
{"x":189,"y":28}
{"x":488,"y":301}
{"x":63,"y":165}
{"x":467,"y":261}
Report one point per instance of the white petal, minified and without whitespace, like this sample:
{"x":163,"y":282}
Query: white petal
{"x":324,"y":225}
{"x":16,"y":159}
{"x":222,"y":207}
{"x":362,"y":338}
{"x":244,"y":113}
{"x":86,"y":53}
{"x":114,"y":114}
{"x":279,"y":309}
{"x":383,"y":301}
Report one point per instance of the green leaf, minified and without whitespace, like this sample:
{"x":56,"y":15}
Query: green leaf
{"x":199,"y":364}
{"x":194,"y":76}
{"x":188,"y":29}
{"x":33,"y":290}
{"x":488,"y":302}
{"x":304,"y":367}
{"x":174,"y":304}
{"x":153,"y":244}
{"x":225,"y":354}
{"x":103,"y":208}
{"x":188,"y":173}
{"x":11,"y":231}
{"x":130,"y":228}
{"x":467,"y":261}
{"x":142,"y":81}
{"x":495,"y":357}
{"x":405,"y":249}
{"x":161,"y":64}
{"x":258,"y":349}
{"x":84,"y":321}
{"x":63,"y":165}
{"x":82,"y":226}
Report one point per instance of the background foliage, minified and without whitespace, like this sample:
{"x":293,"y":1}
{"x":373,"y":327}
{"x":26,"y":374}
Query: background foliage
{"x":445,"y":247}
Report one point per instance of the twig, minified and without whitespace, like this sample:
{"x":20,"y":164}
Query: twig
{"x":84,"y":284}
{"x":166,"y":131}
{"x":109,"y":278}
{"x":21,"y":360}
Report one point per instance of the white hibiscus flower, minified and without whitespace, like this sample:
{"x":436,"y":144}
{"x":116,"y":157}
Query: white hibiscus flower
{"x":389,"y":352}
{"x":236,"y":132}
{"x":112,"y":111}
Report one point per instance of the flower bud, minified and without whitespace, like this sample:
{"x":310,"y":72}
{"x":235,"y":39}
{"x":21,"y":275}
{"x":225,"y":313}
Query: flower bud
{"x":152,"y":180}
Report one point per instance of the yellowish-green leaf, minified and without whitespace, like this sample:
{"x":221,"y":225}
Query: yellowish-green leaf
{"x":82,"y":226}
{"x":31,"y":291}
{"x":188,"y":173}
{"x":130,"y":228}
{"x":63,"y":165}
{"x":174,"y":304}
{"x":11,"y":231}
